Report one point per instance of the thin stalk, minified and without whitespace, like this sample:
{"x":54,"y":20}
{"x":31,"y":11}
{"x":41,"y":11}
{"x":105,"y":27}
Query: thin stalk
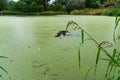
{"x":105,"y":51}
{"x":79,"y":58}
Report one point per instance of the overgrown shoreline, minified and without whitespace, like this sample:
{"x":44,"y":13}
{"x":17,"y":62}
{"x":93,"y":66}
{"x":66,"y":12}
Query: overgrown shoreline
{"x":7,"y":12}
{"x":86,"y":11}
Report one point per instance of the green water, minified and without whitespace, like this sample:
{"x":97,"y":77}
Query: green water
{"x":35,"y":54}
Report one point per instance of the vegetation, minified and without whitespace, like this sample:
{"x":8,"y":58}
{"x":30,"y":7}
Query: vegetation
{"x":113,"y":58}
{"x":74,"y":7}
{"x":1,"y":77}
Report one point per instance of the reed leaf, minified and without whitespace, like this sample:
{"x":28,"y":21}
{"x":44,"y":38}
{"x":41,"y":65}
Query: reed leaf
{"x":118,"y":78}
{"x":107,"y":70}
{"x":79,"y":58}
{"x":88,"y":72}
{"x":112,"y":59}
{"x":111,"y":78}
{"x":98,"y":54}
{"x":1,"y":77}
{"x":5,"y":72}
{"x":3,"y":57}
{"x":110,"y":66}
{"x":82,"y":33}
{"x":117,"y":20}
{"x":114,"y":52}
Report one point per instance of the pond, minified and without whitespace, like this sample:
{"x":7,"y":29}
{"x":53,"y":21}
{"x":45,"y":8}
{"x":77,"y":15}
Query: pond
{"x":35,"y":54}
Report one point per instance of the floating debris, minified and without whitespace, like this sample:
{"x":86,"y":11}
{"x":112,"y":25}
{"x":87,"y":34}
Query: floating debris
{"x":62,"y":33}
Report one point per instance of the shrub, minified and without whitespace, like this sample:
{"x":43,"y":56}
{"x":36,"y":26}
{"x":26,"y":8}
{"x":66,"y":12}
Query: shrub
{"x":116,"y":12}
{"x":75,"y":12}
{"x":88,"y":12}
{"x":52,"y":13}
{"x":96,"y":12}
{"x":112,"y":12}
{"x":10,"y":13}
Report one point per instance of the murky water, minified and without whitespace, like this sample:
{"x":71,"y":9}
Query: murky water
{"x":35,"y":54}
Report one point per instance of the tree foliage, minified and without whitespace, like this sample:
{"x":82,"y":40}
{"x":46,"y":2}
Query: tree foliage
{"x":21,"y":6}
{"x":72,"y":5}
{"x":57,"y":5}
{"x":34,"y":7}
{"x":3,"y":4}
{"x":92,"y":3}
{"x":11,"y":5}
{"x":39,"y":2}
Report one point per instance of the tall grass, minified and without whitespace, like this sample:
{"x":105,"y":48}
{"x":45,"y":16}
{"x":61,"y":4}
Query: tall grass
{"x":3,"y":69}
{"x":112,"y":58}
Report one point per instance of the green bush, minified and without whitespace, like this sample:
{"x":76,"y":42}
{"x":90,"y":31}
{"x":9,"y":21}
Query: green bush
{"x":52,"y":13}
{"x":10,"y":13}
{"x":75,"y":12}
{"x":116,"y":12}
{"x":6,"y":12}
{"x":88,"y":12}
{"x":112,"y":12}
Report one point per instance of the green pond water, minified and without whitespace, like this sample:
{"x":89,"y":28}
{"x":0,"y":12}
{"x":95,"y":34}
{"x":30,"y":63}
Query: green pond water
{"x":35,"y":54}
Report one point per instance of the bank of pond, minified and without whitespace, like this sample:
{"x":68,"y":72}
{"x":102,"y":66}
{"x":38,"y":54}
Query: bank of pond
{"x":86,"y":11}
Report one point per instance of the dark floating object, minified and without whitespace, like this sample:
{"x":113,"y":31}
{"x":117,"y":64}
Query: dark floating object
{"x":62,"y":33}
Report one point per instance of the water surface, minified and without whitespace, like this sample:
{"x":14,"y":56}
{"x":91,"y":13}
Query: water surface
{"x":35,"y":54}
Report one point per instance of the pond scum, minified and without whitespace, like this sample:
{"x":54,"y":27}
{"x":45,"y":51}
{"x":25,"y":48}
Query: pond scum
{"x":113,"y":58}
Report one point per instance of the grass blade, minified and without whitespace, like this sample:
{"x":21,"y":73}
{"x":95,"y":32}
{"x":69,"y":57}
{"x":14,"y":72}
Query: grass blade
{"x":118,"y":78}
{"x":88,"y":73}
{"x":1,"y":77}
{"x":114,"y":52}
{"x":5,"y":72}
{"x":98,"y":54}
{"x":117,"y":20}
{"x":3,"y":57}
{"x":110,"y":66}
{"x":79,"y":58}
{"x":82,"y":33}
{"x":97,"y":58}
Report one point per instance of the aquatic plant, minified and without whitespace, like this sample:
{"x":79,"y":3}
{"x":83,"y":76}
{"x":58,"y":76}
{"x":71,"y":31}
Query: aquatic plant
{"x":113,"y":59}
{"x":3,"y":69}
